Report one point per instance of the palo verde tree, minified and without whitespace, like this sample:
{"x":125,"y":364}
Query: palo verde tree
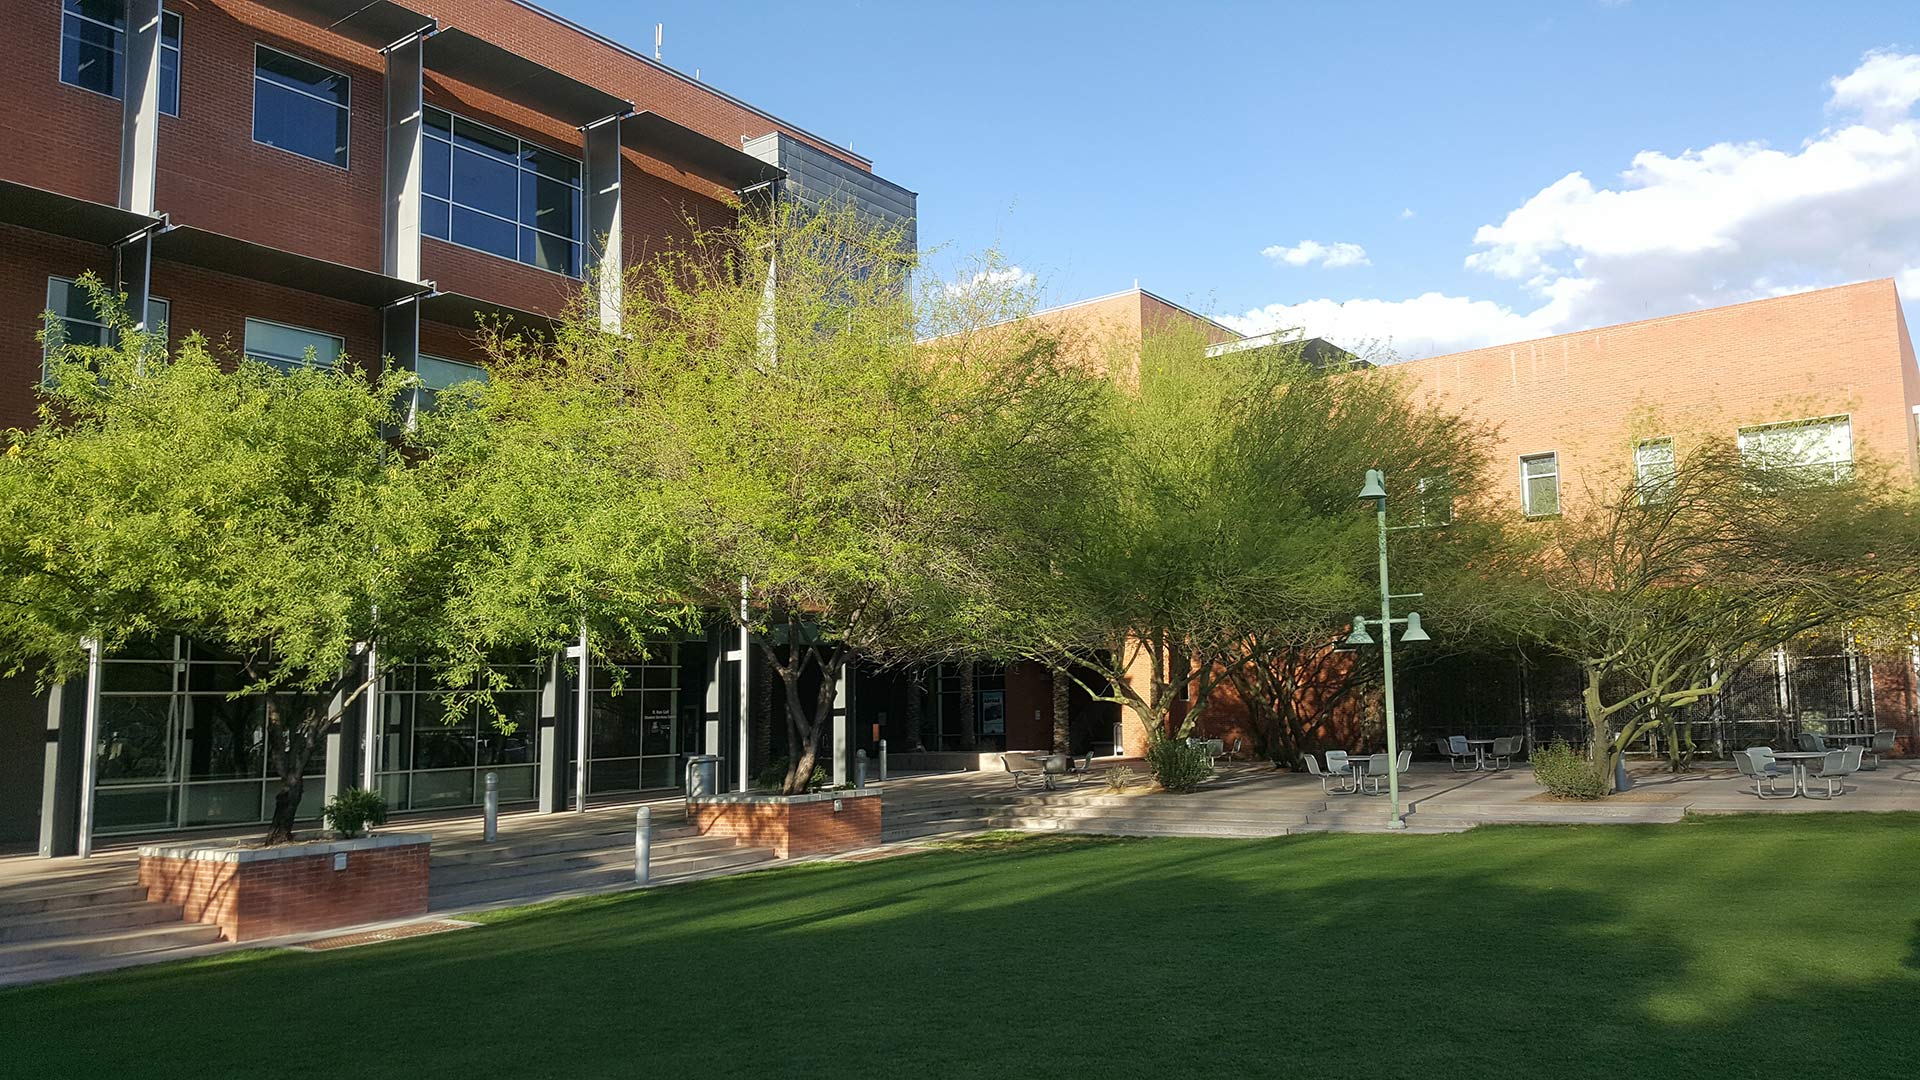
{"x":795,"y":460}
{"x":1217,"y":524}
{"x":246,"y":507}
{"x":1661,"y":588}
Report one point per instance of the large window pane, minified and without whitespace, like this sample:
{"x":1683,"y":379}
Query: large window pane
{"x":90,"y":54}
{"x":549,"y":252}
{"x":135,"y":733}
{"x":485,"y":183}
{"x":226,"y":738}
{"x":93,"y":50}
{"x":300,"y":107}
{"x":287,"y":347}
{"x":231,"y":803}
{"x":488,"y":181}
{"x":477,"y":230}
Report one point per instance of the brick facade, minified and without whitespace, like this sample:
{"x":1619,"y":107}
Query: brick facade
{"x":789,"y":826}
{"x":288,"y":890}
{"x":1589,"y":396}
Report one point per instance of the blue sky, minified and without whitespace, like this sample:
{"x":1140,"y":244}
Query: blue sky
{"x":1426,"y":151}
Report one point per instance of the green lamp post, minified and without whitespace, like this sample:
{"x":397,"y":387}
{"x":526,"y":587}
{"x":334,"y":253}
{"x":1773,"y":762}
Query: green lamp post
{"x":1376,"y":490}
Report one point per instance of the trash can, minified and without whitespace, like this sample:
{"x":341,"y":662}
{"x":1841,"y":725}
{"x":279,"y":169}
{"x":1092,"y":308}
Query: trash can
{"x":703,"y":775}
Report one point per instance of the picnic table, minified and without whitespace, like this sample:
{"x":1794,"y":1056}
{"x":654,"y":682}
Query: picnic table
{"x":1798,"y":759}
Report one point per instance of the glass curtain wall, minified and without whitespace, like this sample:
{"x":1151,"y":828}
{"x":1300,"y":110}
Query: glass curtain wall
{"x":431,"y":757}
{"x":176,"y":751}
{"x":633,"y":732}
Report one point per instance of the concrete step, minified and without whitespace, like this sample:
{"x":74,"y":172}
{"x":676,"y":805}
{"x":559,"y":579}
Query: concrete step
{"x":1148,"y":826}
{"x":488,"y":866}
{"x":1419,"y":828}
{"x":1552,"y":812}
{"x":22,"y":903}
{"x":917,"y":831}
{"x":142,"y":939}
{"x":469,"y":851}
{"x":532,"y":887}
{"x":84,"y":921}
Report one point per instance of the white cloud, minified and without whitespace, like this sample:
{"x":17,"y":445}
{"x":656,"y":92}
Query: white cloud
{"x":1731,"y":222}
{"x":1407,"y":214}
{"x":1307,"y":252}
{"x":1881,"y":90}
{"x":1011,"y":277}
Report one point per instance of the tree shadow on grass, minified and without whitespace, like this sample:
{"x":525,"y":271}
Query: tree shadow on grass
{"x":1513,"y":953}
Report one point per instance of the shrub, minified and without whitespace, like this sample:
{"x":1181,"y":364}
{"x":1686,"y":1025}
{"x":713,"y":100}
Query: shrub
{"x":1177,"y":766}
{"x":1566,"y":772}
{"x":350,"y":812}
{"x":775,"y":774}
{"x":1119,"y":779}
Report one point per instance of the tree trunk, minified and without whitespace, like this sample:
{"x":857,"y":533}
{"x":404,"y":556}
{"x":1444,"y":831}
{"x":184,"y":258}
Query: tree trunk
{"x":969,"y":721}
{"x":1605,"y":754}
{"x":916,"y":710}
{"x":803,"y":739}
{"x":1062,"y":726}
{"x":292,"y":752}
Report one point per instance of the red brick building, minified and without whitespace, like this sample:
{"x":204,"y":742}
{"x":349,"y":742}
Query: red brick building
{"x":357,"y":179}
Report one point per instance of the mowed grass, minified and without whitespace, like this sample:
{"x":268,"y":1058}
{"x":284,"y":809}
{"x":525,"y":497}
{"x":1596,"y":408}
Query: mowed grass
{"x":1739,"y":947}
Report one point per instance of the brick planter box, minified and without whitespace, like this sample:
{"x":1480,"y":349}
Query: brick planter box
{"x":815,"y":824}
{"x":262,"y":892}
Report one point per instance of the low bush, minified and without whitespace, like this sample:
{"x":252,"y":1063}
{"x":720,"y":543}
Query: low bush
{"x":775,"y":774}
{"x":1177,"y":766}
{"x":352,"y":811}
{"x":1566,"y":772}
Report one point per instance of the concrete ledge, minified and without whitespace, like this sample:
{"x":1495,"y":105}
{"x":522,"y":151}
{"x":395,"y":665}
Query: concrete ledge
{"x":252,"y":892}
{"x":763,"y":798}
{"x":241,"y":852}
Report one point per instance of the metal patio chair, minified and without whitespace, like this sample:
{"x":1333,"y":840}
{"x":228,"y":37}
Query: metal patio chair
{"x":1812,"y":742}
{"x":1022,"y":767}
{"x":1456,"y":749}
{"x":1882,"y":745}
{"x":1757,"y":764}
{"x":1330,"y":783}
{"x":1500,"y":754}
{"x":1377,"y":770}
{"x":1837,"y":765}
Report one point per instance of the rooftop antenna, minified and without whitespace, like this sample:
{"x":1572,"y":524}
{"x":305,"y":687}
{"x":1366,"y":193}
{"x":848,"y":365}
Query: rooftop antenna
{"x":659,"y":32}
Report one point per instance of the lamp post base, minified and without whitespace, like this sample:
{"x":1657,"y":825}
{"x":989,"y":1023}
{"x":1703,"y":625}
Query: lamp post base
{"x":1396,"y":823}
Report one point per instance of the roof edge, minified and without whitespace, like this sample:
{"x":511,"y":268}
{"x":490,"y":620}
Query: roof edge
{"x":690,"y":81}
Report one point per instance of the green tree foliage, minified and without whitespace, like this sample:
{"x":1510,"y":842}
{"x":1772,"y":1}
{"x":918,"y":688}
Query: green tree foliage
{"x":1217,"y":526}
{"x":1660,"y":590}
{"x":259,"y":512}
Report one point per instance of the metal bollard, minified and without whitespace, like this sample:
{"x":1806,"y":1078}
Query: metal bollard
{"x":493,"y":807}
{"x":642,"y":844}
{"x":859,"y":768}
{"x":883,"y":761}
{"x":1119,"y":742}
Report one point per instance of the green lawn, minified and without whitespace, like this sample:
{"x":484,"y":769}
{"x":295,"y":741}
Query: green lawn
{"x":1778,"y":946}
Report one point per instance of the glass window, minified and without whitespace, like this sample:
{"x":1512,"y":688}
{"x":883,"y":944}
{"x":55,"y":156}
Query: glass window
{"x":1821,"y":448}
{"x":300,"y":107}
{"x":1434,"y":495}
{"x":1653,"y":468}
{"x":93,"y":50}
{"x":289,"y":347}
{"x":79,"y":323}
{"x":1540,"y":484}
{"x":437,"y":374}
{"x":488,"y":190}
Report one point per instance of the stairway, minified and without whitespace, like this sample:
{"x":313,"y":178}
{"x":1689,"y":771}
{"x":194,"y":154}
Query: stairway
{"x":1110,"y":815}
{"x":48,"y":928}
{"x":474,"y":874}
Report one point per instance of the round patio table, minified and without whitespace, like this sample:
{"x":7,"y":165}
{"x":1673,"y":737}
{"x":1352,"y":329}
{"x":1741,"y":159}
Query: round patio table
{"x":1480,"y":751}
{"x":1798,"y":759}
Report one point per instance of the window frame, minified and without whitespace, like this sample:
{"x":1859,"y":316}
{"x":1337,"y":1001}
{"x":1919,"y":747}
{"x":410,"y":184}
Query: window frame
{"x":253,"y":125}
{"x":1526,"y":489}
{"x":46,"y":352}
{"x":521,"y":172}
{"x":1431,"y":488}
{"x":1645,"y":486}
{"x":274,"y":361}
{"x":1842,"y":470}
{"x":178,"y":49}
